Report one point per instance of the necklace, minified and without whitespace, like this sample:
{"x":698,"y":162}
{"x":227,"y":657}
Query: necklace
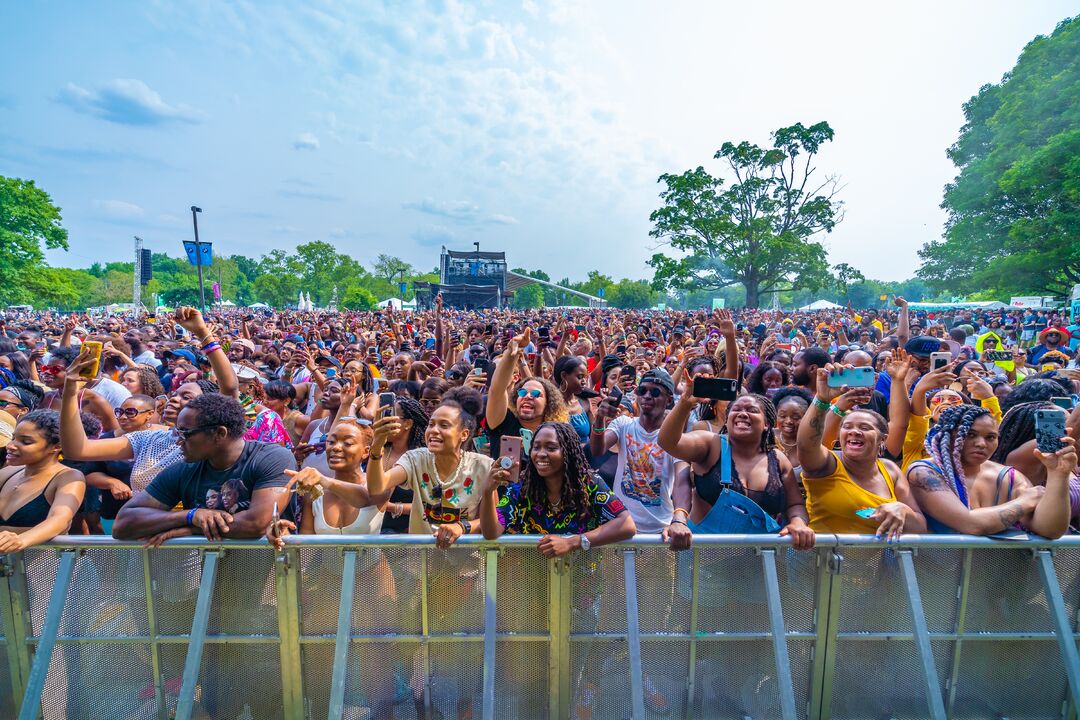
{"x":556,"y":506}
{"x":784,"y":446}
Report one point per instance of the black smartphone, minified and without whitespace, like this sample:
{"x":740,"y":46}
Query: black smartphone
{"x":387,"y":403}
{"x":490,"y":329}
{"x":620,"y":349}
{"x":616,"y":393}
{"x":544,"y":332}
{"x":716,"y":388}
{"x":1049,"y":429}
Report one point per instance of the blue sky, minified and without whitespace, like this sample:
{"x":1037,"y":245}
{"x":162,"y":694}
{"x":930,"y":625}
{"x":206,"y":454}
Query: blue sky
{"x":535,"y":128}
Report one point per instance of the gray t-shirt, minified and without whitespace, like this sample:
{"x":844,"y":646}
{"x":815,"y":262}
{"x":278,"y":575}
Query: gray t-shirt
{"x":199,"y":484}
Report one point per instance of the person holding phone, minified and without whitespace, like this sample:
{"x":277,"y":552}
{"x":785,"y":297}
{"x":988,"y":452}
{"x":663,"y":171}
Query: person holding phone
{"x":558,"y":496}
{"x":744,"y":460}
{"x":961,"y":490}
{"x":854,"y":490}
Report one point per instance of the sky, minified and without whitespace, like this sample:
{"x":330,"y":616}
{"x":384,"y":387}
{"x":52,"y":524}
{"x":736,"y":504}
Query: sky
{"x":535,"y":128}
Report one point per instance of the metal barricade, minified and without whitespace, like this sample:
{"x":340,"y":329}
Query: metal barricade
{"x":391,"y":627}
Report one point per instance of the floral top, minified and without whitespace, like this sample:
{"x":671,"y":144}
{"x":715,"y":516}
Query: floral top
{"x":442,"y":500}
{"x":518,"y":515}
{"x":268,"y":428}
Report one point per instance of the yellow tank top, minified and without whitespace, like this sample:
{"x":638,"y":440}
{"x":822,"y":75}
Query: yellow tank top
{"x":833,"y":500}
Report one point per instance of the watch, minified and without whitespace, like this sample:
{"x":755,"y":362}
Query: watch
{"x":585,"y":544}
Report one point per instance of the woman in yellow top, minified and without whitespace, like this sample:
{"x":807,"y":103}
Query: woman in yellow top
{"x":853,"y":491}
{"x":919,"y":421}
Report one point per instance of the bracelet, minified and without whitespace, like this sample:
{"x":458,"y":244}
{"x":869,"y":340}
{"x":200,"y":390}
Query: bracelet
{"x":599,"y":430}
{"x":678,"y":522}
{"x":819,"y":403}
{"x":206,"y":337}
{"x":374,"y":456}
{"x":684,"y":511}
{"x":837,"y":411}
{"x":465,"y":525}
{"x":211,"y":347}
{"x":191,"y":516}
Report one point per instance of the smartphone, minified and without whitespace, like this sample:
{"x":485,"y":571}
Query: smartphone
{"x":865,"y":513}
{"x":620,"y":349}
{"x":997,"y":356}
{"x":387,"y":403}
{"x":615,"y":395}
{"x":784,"y":346}
{"x":1049,"y":429}
{"x":331,"y":372}
{"x":716,"y":388}
{"x":854,"y":377}
{"x":480,"y":363}
{"x":531,"y":357}
{"x":939,"y":360}
{"x":489,"y":329}
{"x":1065,"y":403}
{"x":429,"y":343}
{"x":436,"y":361}
{"x":544,"y":332}
{"x":91,"y":372}
{"x":579,"y":328}
{"x":510,"y":446}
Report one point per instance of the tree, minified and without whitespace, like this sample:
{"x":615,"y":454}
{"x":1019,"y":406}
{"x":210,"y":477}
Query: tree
{"x":636,"y":294}
{"x":757,"y":231}
{"x":530,"y":296}
{"x":389,"y":267}
{"x":1014,"y":207}
{"x":359,"y":298}
{"x":28,"y":220}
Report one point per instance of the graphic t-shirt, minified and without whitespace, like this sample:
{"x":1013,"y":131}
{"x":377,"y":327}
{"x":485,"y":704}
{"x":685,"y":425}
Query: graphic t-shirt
{"x":644,"y":476}
{"x":437,"y":501}
{"x":200,"y":485}
{"x":518,"y":515}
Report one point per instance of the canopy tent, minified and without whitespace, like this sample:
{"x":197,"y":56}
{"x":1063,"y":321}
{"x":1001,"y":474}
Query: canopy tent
{"x":397,"y":304}
{"x":932,"y":307}
{"x":821,"y":305}
{"x":259,"y":306}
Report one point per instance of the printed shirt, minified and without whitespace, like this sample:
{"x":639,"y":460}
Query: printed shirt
{"x":645,"y":475}
{"x":518,"y":515}
{"x":437,"y":501}
{"x":268,"y":428}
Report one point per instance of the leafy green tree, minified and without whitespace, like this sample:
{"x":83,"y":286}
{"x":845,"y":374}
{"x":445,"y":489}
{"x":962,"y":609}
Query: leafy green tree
{"x":28,"y":221}
{"x":757,"y":231}
{"x":359,"y":298}
{"x":636,"y":294}
{"x":530,"y":296}
{"x":1014,"y":207}
{"x":390,"y":268}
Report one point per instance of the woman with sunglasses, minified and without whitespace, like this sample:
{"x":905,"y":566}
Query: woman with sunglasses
{"x":20,"y":397}
{"x":535,"y":400}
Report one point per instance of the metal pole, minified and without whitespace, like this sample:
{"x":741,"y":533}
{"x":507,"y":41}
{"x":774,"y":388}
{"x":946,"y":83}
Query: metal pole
{"x":35,"y":685}
{"x":633,"y":636}
{"x":341,"y":640}
{"x":198,"y":257}
{"x":779,"y":635}
{"x":935,"y":705}
{"x":1070,"y":658}
{"x":185,"y":703}
{"x":491,"y":573}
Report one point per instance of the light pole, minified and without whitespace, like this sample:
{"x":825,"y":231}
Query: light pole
{"x":198,"y":257}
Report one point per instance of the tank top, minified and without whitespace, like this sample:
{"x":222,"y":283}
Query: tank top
{"x":833,"y":500}
{"x":580,"y":423}
{"x":368,"y":521}
{"x":771,"y":499}
{"x":33,"y":512}
{"x":317,"y":460}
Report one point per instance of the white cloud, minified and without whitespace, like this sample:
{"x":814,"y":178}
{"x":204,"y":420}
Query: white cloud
{"x":461,"y":211}
{"x":126,"y":102}
{"x":306,"y":141}
{"x":120,"y":209}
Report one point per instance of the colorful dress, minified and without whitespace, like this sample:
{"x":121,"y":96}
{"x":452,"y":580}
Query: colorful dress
{"x":518,"y":515}
{"x":268,"y":428}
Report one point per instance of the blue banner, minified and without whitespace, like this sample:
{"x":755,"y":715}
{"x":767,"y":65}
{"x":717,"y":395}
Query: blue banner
{"x":204,"y":251}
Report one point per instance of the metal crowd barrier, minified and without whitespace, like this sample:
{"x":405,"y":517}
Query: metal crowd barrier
{"x":391,"y":627}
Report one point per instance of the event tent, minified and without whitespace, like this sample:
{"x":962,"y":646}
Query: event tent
{"x":821,"y":305}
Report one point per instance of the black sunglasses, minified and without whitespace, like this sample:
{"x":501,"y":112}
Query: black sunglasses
{"x":653,"y":392}
{"x":186,"y":433}
{"x":129,"y":412}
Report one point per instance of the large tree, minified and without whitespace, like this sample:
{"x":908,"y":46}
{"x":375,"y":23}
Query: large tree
{"x":28,"y":221}
{"x":755,"y":228}
{"x":1014,"y":207}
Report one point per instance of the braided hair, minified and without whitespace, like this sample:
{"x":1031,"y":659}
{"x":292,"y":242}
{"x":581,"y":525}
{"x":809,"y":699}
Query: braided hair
{"x":410,"y":409}
{"x":768,"y":437}
{"x":945,"y":441}
{"x":1017,"y":428}
{"x":577,"y":473}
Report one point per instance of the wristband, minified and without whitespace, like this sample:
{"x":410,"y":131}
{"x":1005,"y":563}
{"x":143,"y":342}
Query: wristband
{"x":191,"y":516}
{"x":211,"y":347}
{"x":599,"y":430}
{"x":837,"y":411}
{"x":679,"y":522}
{"x":684,"y":511}
{"x":819,"y":403}
{"x":465,"y":525}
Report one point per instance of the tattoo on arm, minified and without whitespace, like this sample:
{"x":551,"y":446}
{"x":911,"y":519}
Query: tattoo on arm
{"x":1009,"y":515}
{"x":817,"y":424}
{"x":926,"y":479}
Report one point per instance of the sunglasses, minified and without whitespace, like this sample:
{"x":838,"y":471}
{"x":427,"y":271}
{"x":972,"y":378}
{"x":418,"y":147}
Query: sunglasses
{"x":129,"y":412}
{"x":529,"y":393}
{"x":454,"y":375}
{"x":653,"y":392}
{"x":186,"y":433}
{"x":8,"y":403}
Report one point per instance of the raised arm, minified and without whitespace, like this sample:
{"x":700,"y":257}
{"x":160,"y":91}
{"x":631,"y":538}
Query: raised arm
{"x":496,"y":409}
{"x":692,"y":447}
{"x":1051,"y":517}
{"x":814,"y":458}
{"x":73,"y":440}
{"x":381,"y":484}
{"x":731,"y":346}
{"x":899,"y":406}
{"x":903,"y":326}
{"x":192,"y":320}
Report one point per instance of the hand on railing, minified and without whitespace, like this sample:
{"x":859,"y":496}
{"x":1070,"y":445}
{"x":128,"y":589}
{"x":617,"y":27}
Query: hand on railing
{"x":277,"y":531}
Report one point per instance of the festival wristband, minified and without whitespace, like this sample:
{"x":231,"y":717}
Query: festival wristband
{"x":819,"y":403}
{"x":191,"y":516}
{"x":211,"y":347}
{"x":684,"y":511}
{"x":837,"y":411}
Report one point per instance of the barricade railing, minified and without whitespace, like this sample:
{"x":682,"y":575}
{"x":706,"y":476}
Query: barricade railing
{"x":391,"y":627}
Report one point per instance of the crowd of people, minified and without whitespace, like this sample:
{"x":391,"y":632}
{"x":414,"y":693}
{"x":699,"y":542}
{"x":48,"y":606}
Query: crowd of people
{"x":578,"y":425}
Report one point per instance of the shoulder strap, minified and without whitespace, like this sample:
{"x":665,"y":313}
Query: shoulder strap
{"x":725,"y":462}
{"x":1011,"y":472}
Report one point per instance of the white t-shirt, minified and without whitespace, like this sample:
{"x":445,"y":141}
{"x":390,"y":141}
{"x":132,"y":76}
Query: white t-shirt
{"x":147,"y":358}
{"x":435,"y":501}
{"x":113,"y":392}
{"x":645,"y":475}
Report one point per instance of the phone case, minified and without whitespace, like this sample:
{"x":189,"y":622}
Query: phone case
{"x":1049,"y":429}
{"x":853,"y":377}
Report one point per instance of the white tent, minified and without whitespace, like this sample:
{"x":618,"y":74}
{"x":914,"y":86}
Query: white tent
{"x":397,"y":304}
{"x":259,"y":306}
{"x":821,"y":305}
